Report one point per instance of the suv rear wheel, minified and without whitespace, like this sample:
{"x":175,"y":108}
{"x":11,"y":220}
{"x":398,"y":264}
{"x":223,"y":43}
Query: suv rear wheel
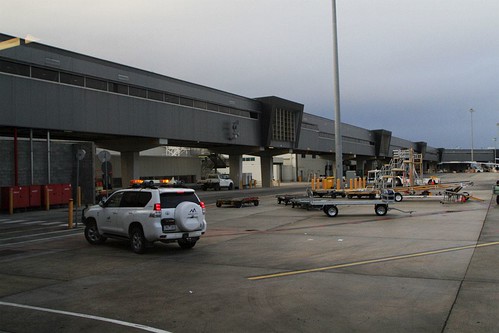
{"x":137,"y":240}
{"x":92,"y":234}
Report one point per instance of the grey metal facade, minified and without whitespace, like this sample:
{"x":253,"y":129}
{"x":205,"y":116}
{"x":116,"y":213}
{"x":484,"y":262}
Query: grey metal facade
{"x":80,"y":98}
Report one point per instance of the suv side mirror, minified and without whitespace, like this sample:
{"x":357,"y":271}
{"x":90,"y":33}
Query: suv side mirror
{"x":102,"y":201}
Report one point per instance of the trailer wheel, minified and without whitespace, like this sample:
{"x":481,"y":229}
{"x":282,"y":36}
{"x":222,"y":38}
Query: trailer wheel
{"x":331,"y":210}
{"x":219,"y":204}
{"x":256,"y":202}
{"x":398,"y":197}
{"x":381,"y":209}
{"x":238,"y":204}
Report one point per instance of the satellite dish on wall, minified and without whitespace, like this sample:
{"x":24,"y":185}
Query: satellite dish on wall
{"x":104,"y":156}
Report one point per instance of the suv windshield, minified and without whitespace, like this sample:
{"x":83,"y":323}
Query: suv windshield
{"x":172,"y":199}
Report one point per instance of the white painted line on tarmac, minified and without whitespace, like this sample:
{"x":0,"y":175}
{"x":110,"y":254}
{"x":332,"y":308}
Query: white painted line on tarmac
{"x":13,"y":221}
{"x":38,"y":239}
{"x":31,"y":222}
{"x":82,"y":315}
{"x":54,"y":223}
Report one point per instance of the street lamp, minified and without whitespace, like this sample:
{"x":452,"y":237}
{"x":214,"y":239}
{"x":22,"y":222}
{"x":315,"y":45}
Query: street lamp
{"x":495,"y":146}
{"x":337,"y":121}
{"x":495,"y":152}
{"x":471,"y":112}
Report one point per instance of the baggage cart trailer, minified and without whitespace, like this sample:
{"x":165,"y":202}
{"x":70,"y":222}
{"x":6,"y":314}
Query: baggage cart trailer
{"x":238,"y":202}
{"x":381,"y":206}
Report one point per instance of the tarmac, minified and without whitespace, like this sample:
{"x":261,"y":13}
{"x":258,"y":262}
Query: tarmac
{"x":265,"y":268}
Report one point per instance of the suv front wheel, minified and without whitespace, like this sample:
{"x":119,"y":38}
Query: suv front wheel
{"x":92,"y":234}
{"x":138,"y":242}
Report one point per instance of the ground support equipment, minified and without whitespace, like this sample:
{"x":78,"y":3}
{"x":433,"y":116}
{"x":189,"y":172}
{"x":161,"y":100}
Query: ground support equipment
{"x":330,"y":207}
{"x":328,"y":193}
{"x":238,"y":202}
{"x":286,"y":198}
{"x":455,"y":196}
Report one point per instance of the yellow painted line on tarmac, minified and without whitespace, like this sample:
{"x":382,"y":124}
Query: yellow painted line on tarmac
{"x":370,"y":261}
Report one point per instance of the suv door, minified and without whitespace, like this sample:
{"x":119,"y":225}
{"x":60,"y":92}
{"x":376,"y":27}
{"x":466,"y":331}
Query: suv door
{"x":132,"y":210}
{"x":109,"y":213}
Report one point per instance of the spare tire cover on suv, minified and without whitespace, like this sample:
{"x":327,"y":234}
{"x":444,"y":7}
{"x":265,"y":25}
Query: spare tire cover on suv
{"x":188,"y":216}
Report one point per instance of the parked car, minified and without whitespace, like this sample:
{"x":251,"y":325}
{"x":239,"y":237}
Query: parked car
{"x":217,"y":182}
{"x":146,"y":215}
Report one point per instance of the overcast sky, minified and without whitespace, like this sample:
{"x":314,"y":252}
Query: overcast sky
{"x":411,"y":67}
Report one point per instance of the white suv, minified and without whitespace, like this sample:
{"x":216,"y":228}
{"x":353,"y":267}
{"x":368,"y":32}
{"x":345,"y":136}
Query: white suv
{"x":146,"y":215}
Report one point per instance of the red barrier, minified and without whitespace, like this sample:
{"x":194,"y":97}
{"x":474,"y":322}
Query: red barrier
{"x":20,"y":196}
{"x":35,"y":195}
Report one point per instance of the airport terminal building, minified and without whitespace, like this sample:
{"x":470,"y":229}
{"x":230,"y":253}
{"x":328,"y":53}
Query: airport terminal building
{"x":60,"y":109}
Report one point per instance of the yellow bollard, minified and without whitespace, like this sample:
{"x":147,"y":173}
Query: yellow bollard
{"x":338,"y":184}
{"x":70,"y":214}
{"x":351,"y":183}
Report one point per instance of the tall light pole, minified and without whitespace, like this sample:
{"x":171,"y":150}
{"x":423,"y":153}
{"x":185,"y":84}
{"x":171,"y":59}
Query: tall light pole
{"x":495,"y":151}
{"x":471,"y":112}
{"x":337,"y":120}
{"x":495,"y":145}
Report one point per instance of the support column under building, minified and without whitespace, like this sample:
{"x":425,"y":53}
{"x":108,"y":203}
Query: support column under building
{"x":361,"y":162}
{"x":129,"y":167}
{"x":266,"y":165}
{"x":236,"y":167}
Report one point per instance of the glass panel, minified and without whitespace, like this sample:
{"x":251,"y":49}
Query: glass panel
{"x":118,"y":88}
{"x":96,"y":84}
{"x":172,"y":99}
{"x":156,"y":95}
{"x":75,"y":80}
{"x":44,"y":74}
{"x":14,"y":68}
{"x":139,"y":92}
{"x":186,"y":101}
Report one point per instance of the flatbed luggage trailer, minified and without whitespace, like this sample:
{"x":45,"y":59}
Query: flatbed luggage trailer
{"x":330,"y":207}
{"x":238,"y":202}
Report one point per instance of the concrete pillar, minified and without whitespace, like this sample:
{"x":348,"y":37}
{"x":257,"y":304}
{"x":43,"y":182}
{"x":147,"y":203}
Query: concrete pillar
{"x":266,"y":165}
{"x":361,"y":166}
{"x":236,"y":167}
{"x":129,"y":167}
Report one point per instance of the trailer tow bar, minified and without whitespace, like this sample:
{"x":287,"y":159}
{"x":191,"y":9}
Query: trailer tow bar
{"x":402,"y":211}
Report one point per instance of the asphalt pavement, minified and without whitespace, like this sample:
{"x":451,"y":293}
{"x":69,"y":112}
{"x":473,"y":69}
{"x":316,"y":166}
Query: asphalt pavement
{"x":265,"y":268}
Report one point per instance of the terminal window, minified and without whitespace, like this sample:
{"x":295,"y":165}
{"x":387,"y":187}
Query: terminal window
{"x":283,"y":125}
{"x":44,"y":74}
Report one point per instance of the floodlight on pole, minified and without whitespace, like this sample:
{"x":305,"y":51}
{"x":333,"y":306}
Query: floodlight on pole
{"x":337,"y":120}
{"x":471,"y":112}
